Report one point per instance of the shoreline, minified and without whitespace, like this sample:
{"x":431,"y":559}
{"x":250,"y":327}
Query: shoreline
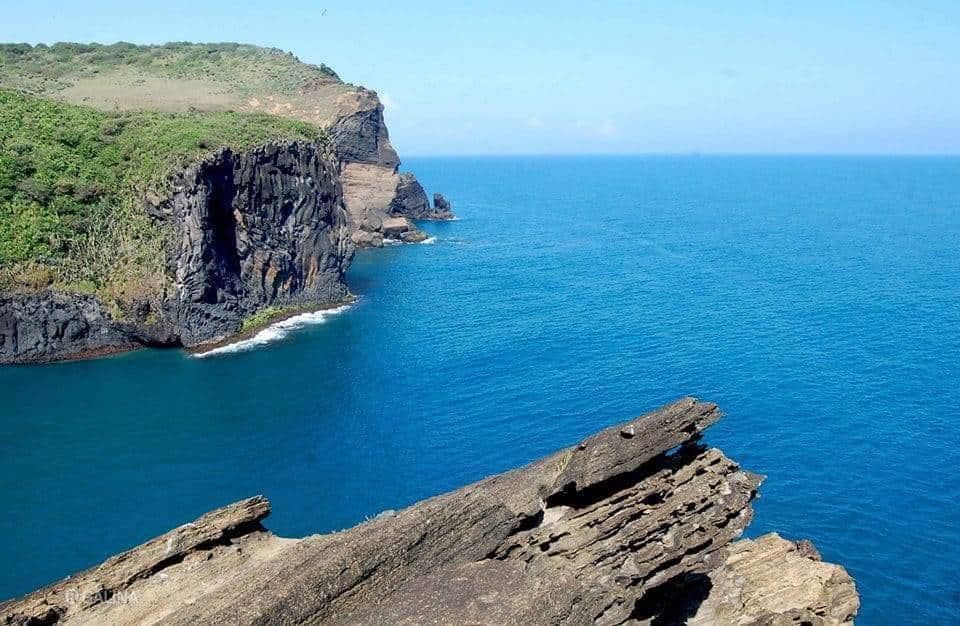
{"x":90,"y":355}
{"x":199,"y":349}
{"x":250,"y":333}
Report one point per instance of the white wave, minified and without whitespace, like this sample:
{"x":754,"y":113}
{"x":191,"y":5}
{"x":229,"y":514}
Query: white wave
{"x":388,"y":241}
{"x":274,"y":332}
{"x":429,"y":240}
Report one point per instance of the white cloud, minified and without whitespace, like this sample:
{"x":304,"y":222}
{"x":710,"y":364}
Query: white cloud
{"x":604,"y":128}
{"x":535,"y":122}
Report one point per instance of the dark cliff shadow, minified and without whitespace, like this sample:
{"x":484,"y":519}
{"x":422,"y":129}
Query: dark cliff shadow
{"x":673,"y":602}
{"x":223,"y":226}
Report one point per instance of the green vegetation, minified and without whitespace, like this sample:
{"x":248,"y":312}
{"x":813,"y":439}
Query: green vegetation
{"x":249,"y":70}
{"x":261,"y":317}
{"x":270,"y":314}
{"x":73,"y":180}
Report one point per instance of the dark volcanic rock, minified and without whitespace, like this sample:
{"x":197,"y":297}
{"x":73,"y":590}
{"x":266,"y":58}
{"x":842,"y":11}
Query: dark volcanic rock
{"x":362,"y":137}
{"x":36,"y":327}
{"x":259,"y":228}
{"x":411,"y":201}
{"x":441,"y":208}
{"x":619,"y":529}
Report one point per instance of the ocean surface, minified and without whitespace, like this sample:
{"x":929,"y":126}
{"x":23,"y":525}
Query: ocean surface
{"x":817,"y":300}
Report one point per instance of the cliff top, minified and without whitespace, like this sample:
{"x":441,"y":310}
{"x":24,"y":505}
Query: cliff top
{"x":179,"y":77}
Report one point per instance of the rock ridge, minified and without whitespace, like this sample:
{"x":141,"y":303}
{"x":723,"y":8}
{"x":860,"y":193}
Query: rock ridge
{"x":634,"y":525}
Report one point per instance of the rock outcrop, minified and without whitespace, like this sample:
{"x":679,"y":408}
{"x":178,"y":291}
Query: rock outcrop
{"x":411,"y":202}
{"x":634,"y":525}
{"x":380,"y":201}
{"x":249,"y":230}
{"x":45,"y":325}
{"x":441,"y":208}
{"x":770,"y":580}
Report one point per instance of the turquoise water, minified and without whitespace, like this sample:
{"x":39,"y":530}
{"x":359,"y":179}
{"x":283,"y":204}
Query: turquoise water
{"x":815,"y":299}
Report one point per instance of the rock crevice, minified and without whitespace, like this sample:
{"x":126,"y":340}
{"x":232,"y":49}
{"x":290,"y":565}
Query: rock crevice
{"x":260,"y":228}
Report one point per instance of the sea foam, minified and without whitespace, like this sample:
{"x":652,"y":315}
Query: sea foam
{"x":274,"y":332}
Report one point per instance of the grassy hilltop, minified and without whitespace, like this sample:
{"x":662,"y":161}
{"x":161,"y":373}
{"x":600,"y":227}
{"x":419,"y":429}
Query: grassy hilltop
{"x":179,"y":77}
{"x":87,"y":130}
{"x":74,"y":71}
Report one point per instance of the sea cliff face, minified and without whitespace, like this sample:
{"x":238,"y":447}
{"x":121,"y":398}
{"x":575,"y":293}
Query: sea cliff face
{"x":46,"y":325}
{"x":262,"y":228}
{"x":637,"y":524}
{"x":381,"y":201}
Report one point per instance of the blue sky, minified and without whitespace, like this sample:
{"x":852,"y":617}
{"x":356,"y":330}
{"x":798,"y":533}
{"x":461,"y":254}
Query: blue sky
{"x":577,"y":77}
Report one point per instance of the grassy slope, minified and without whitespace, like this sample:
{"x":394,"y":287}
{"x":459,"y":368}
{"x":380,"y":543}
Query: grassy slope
{"x":244,"y":70}
{"x":72,"y":182}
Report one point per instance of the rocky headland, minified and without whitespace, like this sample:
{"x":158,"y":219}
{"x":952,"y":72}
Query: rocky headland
{"x":247,"y":230}
{"x":637,"y":524}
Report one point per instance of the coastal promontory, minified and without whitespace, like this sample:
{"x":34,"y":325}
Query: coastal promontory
{"x":176,"y":195}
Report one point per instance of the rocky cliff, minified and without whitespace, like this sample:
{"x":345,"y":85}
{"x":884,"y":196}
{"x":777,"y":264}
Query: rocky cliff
{"x":381,"y":202}
{"x":267,"y":227}
{"x":262,"y":228}
{"x":634,"y":525}
{"x":180,"y":76}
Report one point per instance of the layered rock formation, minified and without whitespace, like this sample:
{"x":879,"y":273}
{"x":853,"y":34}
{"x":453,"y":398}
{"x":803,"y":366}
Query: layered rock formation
{"x":262,"y":228}
{"x":634,"y":525}
{"x":380,"y":201}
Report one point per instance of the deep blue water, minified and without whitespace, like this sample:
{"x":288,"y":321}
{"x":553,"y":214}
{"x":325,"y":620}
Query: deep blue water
{"x":815,"y":299}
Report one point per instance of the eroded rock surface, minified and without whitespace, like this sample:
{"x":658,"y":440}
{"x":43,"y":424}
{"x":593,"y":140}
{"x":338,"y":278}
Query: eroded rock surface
{"x":770,"y":580}
{"x":411,"y":201}
{"x":37,"y":326}
{"x":373,"y":189}
{"x":633,"y":525}
{"x":260,"y":228}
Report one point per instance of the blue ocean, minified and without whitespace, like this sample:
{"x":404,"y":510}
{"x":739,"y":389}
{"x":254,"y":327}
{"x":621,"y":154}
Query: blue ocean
{"x":815,"y":299}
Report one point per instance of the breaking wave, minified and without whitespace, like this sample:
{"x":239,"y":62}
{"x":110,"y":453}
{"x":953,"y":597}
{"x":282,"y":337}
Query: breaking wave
{"x":274,"y":332}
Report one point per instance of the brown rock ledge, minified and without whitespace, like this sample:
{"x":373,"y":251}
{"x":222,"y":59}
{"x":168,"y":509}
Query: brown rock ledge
{"x":635,"y":524}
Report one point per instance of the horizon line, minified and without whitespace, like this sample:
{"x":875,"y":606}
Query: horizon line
{"x":683,"y":154}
